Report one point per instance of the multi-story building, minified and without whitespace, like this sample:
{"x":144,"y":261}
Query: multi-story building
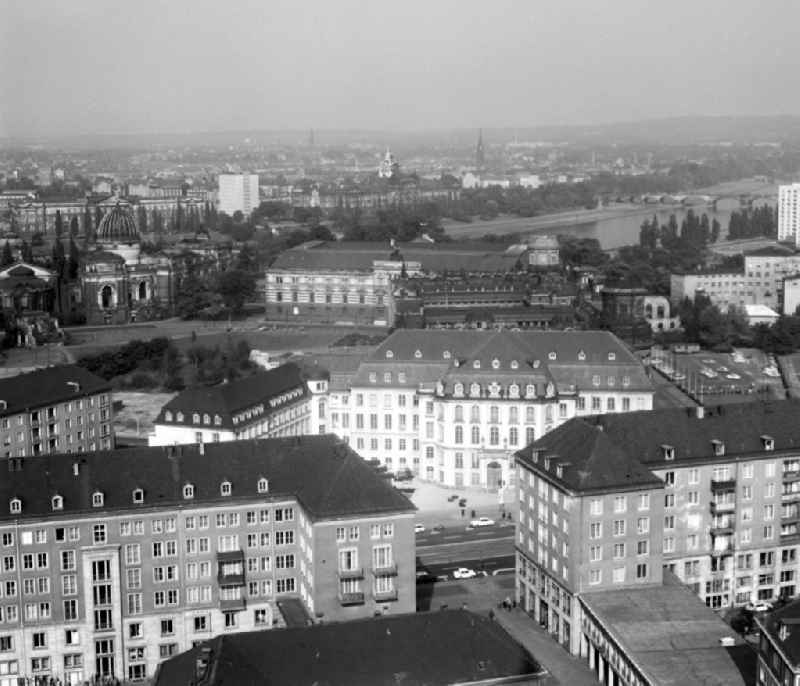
{"x":779,"y":647}
{"x":116,"y":560}
{"x":238,"y":193}
{"x":55,"y":410}
{"x":278,"y":402}
{"x":789,"y":213}
{"x":453,"y":406}
{"x":712,"y":496}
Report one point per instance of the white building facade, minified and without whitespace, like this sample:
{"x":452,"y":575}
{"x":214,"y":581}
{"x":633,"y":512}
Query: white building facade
{"x":789,"y":212}
{"x":238,"y":193}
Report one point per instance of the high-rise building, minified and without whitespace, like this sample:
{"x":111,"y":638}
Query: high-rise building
{"x":789,"y":213}
{"x":238,"y":193}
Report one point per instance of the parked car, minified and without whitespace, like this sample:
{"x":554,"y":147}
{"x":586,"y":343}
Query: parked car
{"x":462,"y":502}
{"x":733,"y":376}
{"x":424,"y":577}
{"x":481,"y":521}
{"x":464,"y":573}
{"x":451,"y":498}
{"x":419,"y":528}
{"x":760,"y":606}
{"x":437,"y":529}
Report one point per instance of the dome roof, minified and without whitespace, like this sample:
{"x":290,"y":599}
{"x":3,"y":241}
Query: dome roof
{"x":118,"y":226}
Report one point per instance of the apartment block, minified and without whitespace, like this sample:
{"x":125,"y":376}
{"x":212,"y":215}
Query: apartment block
{"x":113,"y":561}
{"x":238,"y":193}
{"x":55,"y":410}
{"x":789,"y":213}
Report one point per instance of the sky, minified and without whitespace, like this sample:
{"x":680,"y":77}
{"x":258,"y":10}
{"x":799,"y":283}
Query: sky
{"x":91,"y":66}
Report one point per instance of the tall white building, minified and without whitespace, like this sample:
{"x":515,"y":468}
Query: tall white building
{"x":789,"y":212}
{"x":238,"y":193}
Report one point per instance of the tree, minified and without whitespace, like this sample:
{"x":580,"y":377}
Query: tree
{"x":715,"y":229}
{"x":98,"y":215}
{"x":59,"y":224}
{"x":73,"y":226}
{"x":73,"y":262}
{"x":26,"y":252}
{"x":236,"y":286}
{"x":7,"y":257}
{"x":141,"y":218}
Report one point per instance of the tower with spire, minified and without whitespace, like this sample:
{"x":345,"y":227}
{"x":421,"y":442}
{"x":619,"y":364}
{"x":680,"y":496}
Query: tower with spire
{"x":480,"y":160}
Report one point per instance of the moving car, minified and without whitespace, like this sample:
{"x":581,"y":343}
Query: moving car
{"x":481,"y":521}
{"x":733,"y":376}
{"x":464,"y":573}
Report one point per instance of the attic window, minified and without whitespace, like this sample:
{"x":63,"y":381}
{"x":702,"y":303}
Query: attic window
{"x":668,"y":452}
{"x":514,"y":364}
{"x":15,"y":506}
{"x":612,"y":357}
{"x":581,"y":355}
{"x":206,"y":419}
{"x":458,"y":389}
{"x":559,"y":471}
{"x":180,"y":416}
{"x":418,"y":354}
{"x":552,"y":355}
{"x":373,"y":377}
{"x":225,"y":488}
{"x":138,"y":495}
{"x":217,"y":420}
{"x":168,"y":416}
{"x":97,"y":499}
{"x":626,"y":381}
{"x":513,"y":391}
{"x":719,"y":447}
{"x":530,"y":391}
{"x":188,"y":491}
{"x":783,"y":632}
{"x":768,"y":442}
{"x":495,"y":363}
{"x":596,"y":380}
{"x":401,"y":377}
{"x":196,"y":418}
{"x":476,"y":364}
{"x":263,"y":485}
{"x":446,"y":354}
{"x":57,"y":502}
{"x":389,"y":354}
{"x":536,"y":364}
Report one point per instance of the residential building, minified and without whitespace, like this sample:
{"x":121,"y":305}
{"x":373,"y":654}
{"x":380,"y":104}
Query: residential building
{"x":116,"y":560}
{"x":278,"y":402}
{"x":435,"y":648}
{"x":789,"y":213}
{"x":453,"y":406}
{"x":62,"y":409}
{"x":712,"y":496}
{"x":779,"y":647}
{"x":237,"y":193}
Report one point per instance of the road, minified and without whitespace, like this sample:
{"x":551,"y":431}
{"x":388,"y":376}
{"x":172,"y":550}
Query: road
{"x":487,"y":548}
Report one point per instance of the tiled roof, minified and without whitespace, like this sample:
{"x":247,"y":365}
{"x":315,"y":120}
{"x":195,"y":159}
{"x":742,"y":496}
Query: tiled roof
{"x":435,"y":648}
{"x":325,"y":475}
{"x":48,"y":387}
{"x":788,"y":617}
{"x":669,"y":634}
{"x":227,"y":399}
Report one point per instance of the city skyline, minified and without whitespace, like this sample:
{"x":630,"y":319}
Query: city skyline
{"x":408,"y":67}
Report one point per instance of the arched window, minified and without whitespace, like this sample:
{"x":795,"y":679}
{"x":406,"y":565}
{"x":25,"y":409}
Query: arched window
{"x":530,"y":414}
{"x":180,"y":416}
{"x":581,"y":355}
{"x":418,"y":354}
{"x":97,"y":499}
{"x":196,"y":418}
{"x":57,"y":502}
{"x":142,"y":290}
{"x":107,"y":298}
{"x":188,"y":491}
{"x":225,"y":488}
{"x":206,"y":419}
{"x":138,"y":495}
{"x":217,"y":420}
{"x":15,"y":505}
{"x":263,"y":485}
{"x":459,"y":434}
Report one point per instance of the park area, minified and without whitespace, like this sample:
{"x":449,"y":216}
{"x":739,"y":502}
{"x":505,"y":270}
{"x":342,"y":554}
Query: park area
{"x":745,"y":375}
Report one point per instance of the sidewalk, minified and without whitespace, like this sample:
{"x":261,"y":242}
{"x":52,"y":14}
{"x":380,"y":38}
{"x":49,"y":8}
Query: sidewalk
{"x":567,"y":669}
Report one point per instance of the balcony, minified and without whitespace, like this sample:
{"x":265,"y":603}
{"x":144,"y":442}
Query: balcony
{"x":233,"y":603}
{"x":346,"y":599}
{"x":790,"y":497}
{"x":718,"y":485}
{"x":385,"y":570}
{"x":230,"y":568}
{"x":720,"y":529}
{"x":721,"y":508}
{"x":351,"y":573}
{"x":791,"y":475}
{"x":386,"y":596}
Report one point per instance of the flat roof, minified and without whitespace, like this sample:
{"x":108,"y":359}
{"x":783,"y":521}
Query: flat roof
{"x":668,"y":633}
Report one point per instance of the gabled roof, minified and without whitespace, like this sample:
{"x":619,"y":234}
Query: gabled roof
{"x":325,"y":475}
{"x":434,"y":648}
{"x":48,"y":387}
{"x":227,"y":399}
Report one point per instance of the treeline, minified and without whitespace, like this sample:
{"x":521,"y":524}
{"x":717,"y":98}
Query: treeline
{"x":488,"y":203}
{"x":149,"y":355}
{"x":760,"y":221}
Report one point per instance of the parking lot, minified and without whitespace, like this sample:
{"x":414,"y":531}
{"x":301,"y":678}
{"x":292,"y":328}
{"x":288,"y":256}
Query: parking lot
{"x":741,"y":376}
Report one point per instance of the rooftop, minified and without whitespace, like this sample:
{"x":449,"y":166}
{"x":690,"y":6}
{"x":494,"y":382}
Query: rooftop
{"x":48,"y":386}
{"x":325,"y":475}
{"x":787,"y":617}
{"x":668,"y":633}
{"x":434,"y":649}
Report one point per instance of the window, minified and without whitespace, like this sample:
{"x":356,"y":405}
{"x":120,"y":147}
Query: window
{"x":641,"y":571}
{"x":138,"y":495}
{"x":97,"y":499}
{"x":225,"y":488}
{"x":596,"y":506}
{"x":619,"y":527}
{"x":57,"y":502}
{"x":188,"y":491}
{"x":99,"y":534}
{"x":620,"y":503}
{"x":263,"y":485}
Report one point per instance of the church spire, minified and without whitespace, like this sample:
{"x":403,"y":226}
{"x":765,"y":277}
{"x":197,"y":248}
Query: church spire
{"x":480,"y":160}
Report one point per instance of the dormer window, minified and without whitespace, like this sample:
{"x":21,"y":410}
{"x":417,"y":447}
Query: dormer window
{"x":768,"y":442}
{"x":458,"y":389}
{"x":263,"y":485}
{"x":668,"y":452}
{"x":626,"y":381}
{"x":612,"y":356}
{"x":57,"y":502}
{"x":560,"y":471}
{"x":180,"y":416}
{"x":15,"y":505}
{"x":581,"y":355}
{"x":495,"y":364}
{"x":536,"y":364}
{"x":514,"y":364}
{"x":718,"y":446}
{"x":418,"y":354}
{"x":596,"y":380}
{"x":389,"y":354}
{"x":513,"y":391}
{"x":217,"y":420}
{"x":401,"y":377}
{"x":138,"y":496}
{"x":552,"y":355}
{"x":373,"y":377}
{"x":196,"y":418}
{"x":611,"y":381}
{"x":188,"y":491}
{"x":530,"y":391}
{"x":446,"y":355}
{"x":225,"y":488}
{"x":168,"y":416}
{"x":783,"y":632}
{"x":475,"y":390}
{"x":206,"y":419}
{"x":476,"y":364}
{"x":98,"y":499}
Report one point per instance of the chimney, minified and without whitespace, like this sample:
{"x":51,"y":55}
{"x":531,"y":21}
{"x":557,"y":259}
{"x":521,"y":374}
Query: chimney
{"x":700,"y":411}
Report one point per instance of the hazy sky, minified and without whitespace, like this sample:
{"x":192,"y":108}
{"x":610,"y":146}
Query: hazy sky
{"x":82,"y":66}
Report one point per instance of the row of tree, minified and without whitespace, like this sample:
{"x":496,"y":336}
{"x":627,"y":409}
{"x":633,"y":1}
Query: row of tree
{"x":760,"y":221}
